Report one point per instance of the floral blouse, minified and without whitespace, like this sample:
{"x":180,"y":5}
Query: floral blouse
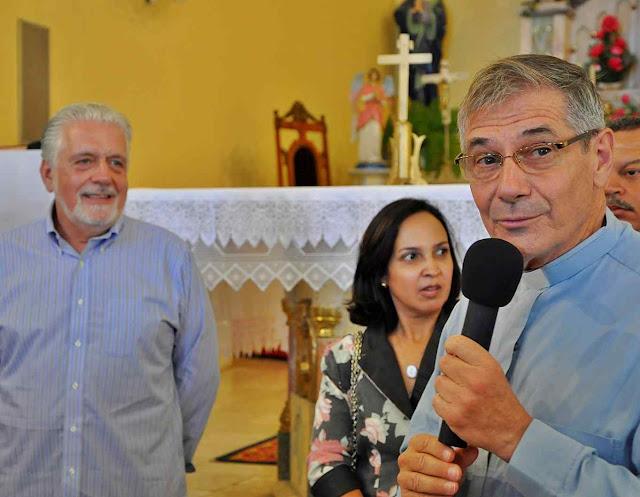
{"x":383,"y":418}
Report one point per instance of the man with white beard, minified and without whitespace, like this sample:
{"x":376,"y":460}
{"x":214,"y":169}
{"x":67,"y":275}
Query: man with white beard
{"x":108,"y":348}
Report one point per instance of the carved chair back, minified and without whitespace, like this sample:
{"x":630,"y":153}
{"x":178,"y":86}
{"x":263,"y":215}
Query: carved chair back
{"x":302,"y":164}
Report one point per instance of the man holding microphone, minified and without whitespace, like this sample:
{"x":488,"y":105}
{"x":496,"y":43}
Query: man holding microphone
{"x":552,"y":410}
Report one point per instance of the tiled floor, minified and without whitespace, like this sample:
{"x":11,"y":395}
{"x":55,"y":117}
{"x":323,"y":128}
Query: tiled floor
{"x":251,"y":397}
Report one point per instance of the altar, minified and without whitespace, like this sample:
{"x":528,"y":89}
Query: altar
{"x":254,"y":244}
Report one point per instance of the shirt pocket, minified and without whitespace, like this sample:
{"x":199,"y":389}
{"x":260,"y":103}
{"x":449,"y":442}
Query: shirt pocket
{"x":609,"y":449}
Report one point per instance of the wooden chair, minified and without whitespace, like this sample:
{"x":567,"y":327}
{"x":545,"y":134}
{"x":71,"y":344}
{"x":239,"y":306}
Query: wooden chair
{"x":304,"y":164}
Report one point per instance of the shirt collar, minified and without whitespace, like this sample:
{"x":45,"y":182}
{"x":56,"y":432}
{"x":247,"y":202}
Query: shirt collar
{"x":578,"y":258}
{"x":114,"y":231}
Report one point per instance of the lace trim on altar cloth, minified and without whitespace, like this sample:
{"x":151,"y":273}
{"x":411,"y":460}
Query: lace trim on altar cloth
{"x":289,"y":235}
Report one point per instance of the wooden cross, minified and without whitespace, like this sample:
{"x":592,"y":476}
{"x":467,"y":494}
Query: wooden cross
{"x":403,"y":59}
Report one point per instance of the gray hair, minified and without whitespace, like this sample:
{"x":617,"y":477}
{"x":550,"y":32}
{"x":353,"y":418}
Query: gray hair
{"x":52,"y":136}
{"x":506,"y":78}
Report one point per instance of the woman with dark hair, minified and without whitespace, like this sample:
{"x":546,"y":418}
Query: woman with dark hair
{"x":406,"y":283}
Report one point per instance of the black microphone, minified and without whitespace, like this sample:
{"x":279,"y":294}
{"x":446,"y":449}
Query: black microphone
{"x":491,"y":272}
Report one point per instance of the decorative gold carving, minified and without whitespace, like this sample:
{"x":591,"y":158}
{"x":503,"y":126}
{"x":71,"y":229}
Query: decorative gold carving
{"x":297,"y":313}
{"x":323,"y":321}
{"x":312,"y":328}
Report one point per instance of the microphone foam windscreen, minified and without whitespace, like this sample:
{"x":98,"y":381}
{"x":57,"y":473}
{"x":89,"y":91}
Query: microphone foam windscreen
{"x":491,"y":271}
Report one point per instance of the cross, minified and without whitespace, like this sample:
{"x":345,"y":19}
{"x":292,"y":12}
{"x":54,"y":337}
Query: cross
{"x":444,"y":78}
{"x":403,"y":59}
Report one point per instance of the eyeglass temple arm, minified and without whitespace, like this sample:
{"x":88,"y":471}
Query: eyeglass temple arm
{"x":577,"y":138}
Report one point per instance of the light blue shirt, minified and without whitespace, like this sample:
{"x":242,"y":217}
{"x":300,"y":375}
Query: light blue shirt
{"x":569,"y":343}
{"x":108,"y":363}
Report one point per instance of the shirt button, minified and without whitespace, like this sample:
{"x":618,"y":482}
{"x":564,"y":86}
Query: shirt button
{"x":80,"y":301}
{"x":101,"y":249}
{"x":81,"y":264}
{"x":73,"y":428}
{"x":78,"y":343}
{"x":74,"y":385}
{"x":72,"y":471}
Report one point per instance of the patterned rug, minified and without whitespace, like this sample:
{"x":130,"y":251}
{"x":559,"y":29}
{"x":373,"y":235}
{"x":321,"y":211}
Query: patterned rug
{"x":263,"y":452}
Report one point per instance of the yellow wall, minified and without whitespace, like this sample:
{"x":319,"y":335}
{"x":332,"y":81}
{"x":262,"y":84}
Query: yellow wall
{"x":200,"y":78}
{"x":479,"y":31}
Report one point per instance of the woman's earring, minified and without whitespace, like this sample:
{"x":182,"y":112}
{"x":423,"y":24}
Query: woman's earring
{"x":383,"y":284}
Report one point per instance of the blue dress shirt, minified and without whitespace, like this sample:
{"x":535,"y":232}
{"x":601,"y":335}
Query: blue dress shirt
{"x":569,"y":343}
{"x":108,"y":363}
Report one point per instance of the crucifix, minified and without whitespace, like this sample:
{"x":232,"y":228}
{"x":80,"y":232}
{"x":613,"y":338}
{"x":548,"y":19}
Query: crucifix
{"x":444,"y":78}
{"x":404,"y":164}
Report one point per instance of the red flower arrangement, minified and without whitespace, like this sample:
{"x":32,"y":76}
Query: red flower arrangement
{"x":609,"y":54}
{"x":629,"y":108}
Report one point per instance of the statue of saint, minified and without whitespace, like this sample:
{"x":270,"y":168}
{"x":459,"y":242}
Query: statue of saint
{"x":371,"y":106}
{"x":425,"y":22}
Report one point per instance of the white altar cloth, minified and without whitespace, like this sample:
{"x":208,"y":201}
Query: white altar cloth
{"x":288,"y":234}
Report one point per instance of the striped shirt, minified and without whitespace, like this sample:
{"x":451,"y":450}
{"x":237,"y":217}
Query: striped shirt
{"x":108,"y":363}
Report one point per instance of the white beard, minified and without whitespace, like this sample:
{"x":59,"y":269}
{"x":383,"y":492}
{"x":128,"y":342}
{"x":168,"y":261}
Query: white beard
{"x":97,"y":216}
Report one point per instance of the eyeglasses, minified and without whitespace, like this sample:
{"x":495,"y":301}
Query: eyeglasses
{"x":532,"y":159}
